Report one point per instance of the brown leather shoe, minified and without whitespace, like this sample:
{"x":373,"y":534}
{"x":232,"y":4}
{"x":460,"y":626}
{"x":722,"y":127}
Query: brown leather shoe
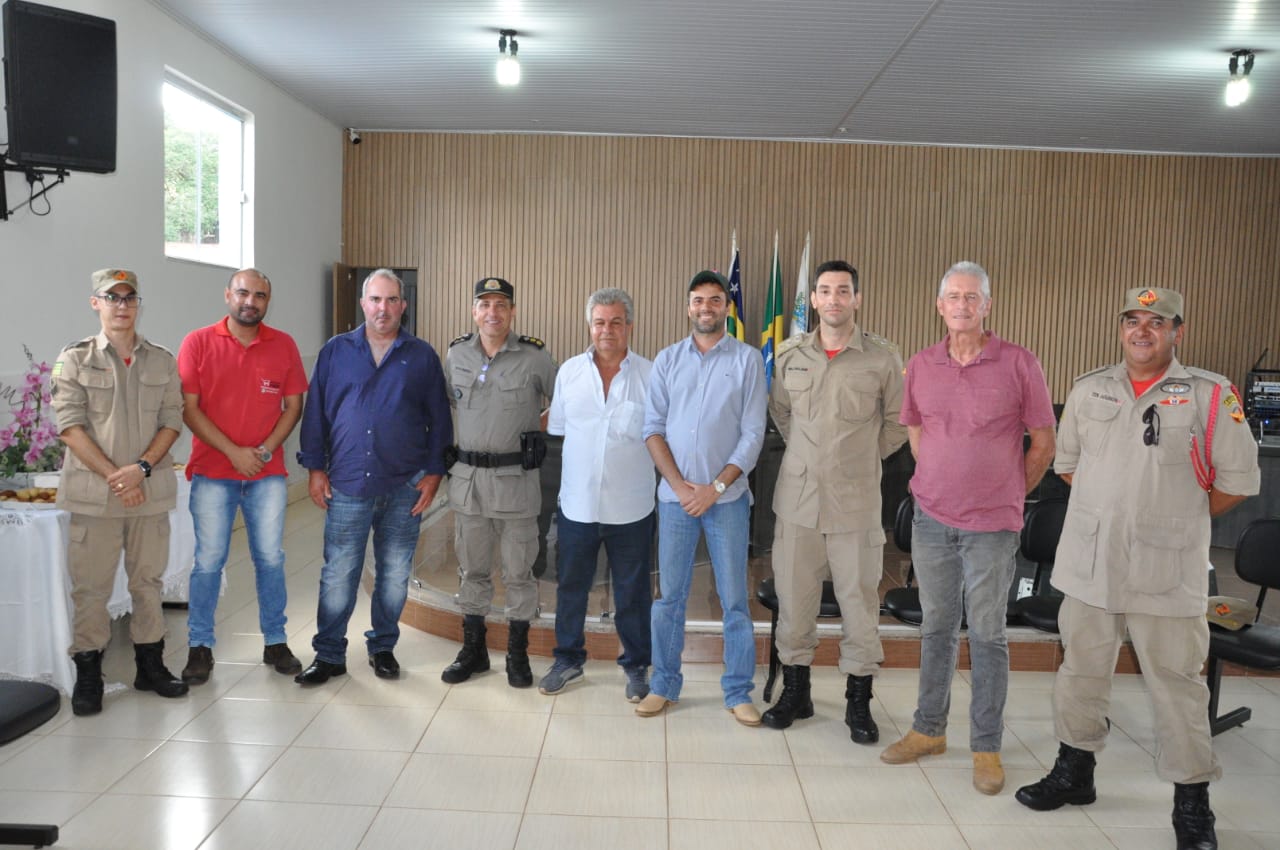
{"x":988,"y":775}
{"x":653,"y":705}
{"x":279,"y":657}
{"x":912,"y":746}
{"x":199,"y":665}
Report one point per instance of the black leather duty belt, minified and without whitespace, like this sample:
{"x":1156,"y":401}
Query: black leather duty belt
{"x":490,"y":460}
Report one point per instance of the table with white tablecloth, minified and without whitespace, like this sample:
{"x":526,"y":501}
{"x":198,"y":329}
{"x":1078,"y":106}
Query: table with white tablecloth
{"x":35,"y":588}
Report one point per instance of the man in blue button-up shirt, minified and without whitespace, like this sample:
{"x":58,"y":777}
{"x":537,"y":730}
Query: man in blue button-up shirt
{"x":704,"y":426}
{"x":374,"y":432}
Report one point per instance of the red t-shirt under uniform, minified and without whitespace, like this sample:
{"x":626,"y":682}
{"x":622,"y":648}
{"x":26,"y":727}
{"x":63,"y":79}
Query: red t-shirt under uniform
{"x":241,"y":389}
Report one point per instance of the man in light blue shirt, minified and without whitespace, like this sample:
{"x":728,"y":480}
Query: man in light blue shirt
{"x":704,"y":426}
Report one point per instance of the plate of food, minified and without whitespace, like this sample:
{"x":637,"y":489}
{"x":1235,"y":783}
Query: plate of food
{"x":29,"y":499}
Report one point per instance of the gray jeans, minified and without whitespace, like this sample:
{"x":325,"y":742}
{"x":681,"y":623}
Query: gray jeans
{"x":963,"y":573}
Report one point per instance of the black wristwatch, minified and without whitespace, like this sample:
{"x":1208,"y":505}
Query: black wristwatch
{"x":146,"y":468}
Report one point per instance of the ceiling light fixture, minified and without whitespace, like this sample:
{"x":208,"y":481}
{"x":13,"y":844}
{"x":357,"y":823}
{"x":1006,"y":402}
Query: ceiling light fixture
{"x":508,"y":66}
{"x":1238,"y":87}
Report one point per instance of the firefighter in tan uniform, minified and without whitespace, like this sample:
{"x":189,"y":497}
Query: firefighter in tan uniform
{"x":835,"y":400}
{"x":1152,"y":449}
{"x":498,"y":382}
{"x":118,"y":402}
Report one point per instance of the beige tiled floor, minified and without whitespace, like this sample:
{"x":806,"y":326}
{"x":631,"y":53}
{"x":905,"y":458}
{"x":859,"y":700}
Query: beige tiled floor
{"x":250,"y":760}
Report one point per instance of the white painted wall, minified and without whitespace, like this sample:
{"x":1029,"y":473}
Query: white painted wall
{"x":117,"y":219}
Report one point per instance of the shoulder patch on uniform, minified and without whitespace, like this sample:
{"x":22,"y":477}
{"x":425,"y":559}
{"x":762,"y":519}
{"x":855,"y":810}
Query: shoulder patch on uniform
{"x":790,"y":343}
{"x":876,"y":339}
{"x":533,"y":340}
{"x":1097,"y":371}
{"x":459,"y":339}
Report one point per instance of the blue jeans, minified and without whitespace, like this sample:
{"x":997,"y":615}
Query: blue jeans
{"x":346,"y":537}
{"x":629,"y":547}
{"x":725,"y":525}
{"x":213,"y":509}
{"x":963,"y":573}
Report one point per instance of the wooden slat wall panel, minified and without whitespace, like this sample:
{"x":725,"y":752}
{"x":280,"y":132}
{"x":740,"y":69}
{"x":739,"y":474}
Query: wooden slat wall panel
{"x":1062,"y":234}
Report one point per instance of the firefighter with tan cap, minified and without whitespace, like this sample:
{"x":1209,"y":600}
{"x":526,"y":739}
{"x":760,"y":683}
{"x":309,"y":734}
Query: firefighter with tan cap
{"x":118,"y":402}
{"x":1152,"y":450}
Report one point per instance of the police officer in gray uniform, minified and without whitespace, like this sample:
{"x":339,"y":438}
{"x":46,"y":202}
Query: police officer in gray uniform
{"x":498,"y":383}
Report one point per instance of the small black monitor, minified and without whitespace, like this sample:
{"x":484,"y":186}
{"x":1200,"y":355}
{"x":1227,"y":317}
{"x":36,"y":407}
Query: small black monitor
{"x":60,"y":88}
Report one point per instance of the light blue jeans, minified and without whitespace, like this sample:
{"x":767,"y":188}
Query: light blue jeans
{"x":213,"y":504}
{"x":963,"y":573}
{"x":726,"y":526}
{"x":347,"y":524}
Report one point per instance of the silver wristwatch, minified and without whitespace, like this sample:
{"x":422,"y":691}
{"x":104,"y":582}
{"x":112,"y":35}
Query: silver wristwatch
{"x":720,"y":487}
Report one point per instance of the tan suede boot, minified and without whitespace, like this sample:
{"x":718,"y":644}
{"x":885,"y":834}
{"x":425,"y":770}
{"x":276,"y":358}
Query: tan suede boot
{"x":911,"y":747}
{"x":988,"y":775}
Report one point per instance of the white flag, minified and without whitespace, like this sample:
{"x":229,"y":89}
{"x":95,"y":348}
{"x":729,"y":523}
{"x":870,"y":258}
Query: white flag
{"x":800,"y":315}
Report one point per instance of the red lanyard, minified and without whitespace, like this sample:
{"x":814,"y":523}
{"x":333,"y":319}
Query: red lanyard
{"x":1205,"y":473}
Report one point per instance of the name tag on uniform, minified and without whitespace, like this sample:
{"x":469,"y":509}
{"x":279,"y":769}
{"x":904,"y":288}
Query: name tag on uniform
{"x":268,"y":386}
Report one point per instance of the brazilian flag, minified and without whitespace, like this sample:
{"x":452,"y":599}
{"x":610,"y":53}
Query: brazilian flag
{"x":771,"y":335}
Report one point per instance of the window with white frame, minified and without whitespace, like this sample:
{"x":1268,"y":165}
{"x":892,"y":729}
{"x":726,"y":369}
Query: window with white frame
{"x":207,"y":170}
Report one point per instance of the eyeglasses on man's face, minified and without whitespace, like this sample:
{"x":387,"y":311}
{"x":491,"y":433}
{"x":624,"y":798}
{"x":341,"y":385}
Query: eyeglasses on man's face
{"x":130,"y":300}
{"x":1151,"y":418}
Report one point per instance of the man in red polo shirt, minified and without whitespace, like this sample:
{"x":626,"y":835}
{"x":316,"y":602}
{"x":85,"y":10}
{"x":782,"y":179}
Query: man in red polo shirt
{"x":242,"y":386}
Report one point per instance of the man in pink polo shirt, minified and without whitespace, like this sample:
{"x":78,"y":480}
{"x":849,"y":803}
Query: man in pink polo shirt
{"x":242,"y":386}
{"x":966,"y":403}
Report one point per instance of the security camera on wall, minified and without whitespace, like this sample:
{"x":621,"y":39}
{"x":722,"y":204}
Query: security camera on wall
{"x":354,"y":135}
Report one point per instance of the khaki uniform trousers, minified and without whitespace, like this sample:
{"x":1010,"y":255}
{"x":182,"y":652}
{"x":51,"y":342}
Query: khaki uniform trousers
{"x":93,"y":556}
{"x":517,"y":539}
{"x":1171,"y":651}
{"x":856,"y":559}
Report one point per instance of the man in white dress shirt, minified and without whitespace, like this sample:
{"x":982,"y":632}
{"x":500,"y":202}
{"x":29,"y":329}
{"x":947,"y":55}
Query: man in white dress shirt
{"x":606,"y":493}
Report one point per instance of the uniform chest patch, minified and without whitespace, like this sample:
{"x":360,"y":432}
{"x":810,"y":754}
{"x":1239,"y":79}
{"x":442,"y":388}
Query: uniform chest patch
{"x":1174,"y":401}
{"x":1175,"y":388}
{"x":268,"y":386}
{"x":1104,"y":397}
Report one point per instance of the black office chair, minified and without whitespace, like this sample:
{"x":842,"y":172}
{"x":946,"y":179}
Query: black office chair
{"x":767,"y":595}
{"x":23,"y":707}
{"x":903,"y":603}
{"x":1041,"y":530}
{"x":1256,"y":645}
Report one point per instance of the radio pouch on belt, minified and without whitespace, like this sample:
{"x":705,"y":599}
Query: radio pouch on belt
{"x":533,"y":449}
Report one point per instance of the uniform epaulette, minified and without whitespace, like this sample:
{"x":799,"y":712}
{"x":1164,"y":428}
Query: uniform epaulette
{"x":79,"y":343}
{"x":462,"y":338}
{"x":1090,"y":374}
{"x":876,"y":339}
{"x":533,"y":340}
{"x":157,"y":345}
{"x":790,"y":343}
{"x":1208,"y":376}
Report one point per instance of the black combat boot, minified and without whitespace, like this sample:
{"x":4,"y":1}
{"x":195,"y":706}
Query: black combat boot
{"x":1070,"y":781}
{"x":86,"y":697}
{"x":518,"y":673}
{"x":857,"y":711}
{"x":1192,"y":818}
{"x":152,"y":674}
{"x":474,"y":655}
{"x":795,"y":703}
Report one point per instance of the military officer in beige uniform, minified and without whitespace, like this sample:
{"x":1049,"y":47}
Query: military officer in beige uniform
{"x":836,"y":402}
{"x":1152,"y":449}
{"x":118,"y":403}
{"x":499,"y":383}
